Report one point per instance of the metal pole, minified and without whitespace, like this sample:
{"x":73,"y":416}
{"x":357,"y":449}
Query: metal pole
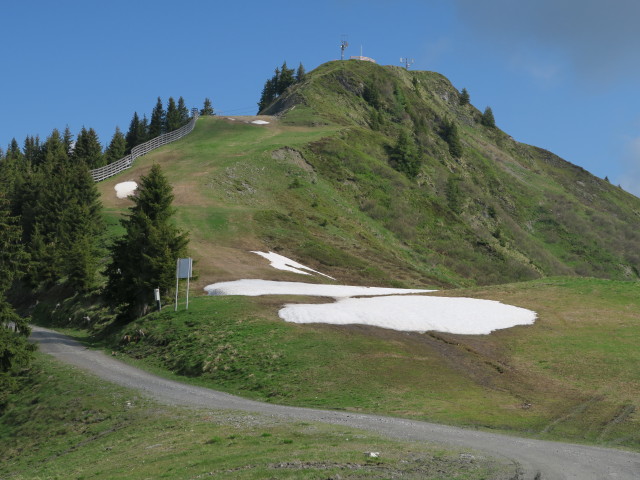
{"x":188,"y":291}
{"x":177,"y":262}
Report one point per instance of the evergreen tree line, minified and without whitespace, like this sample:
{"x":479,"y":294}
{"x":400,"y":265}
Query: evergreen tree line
{"x":275,"y":86}
{"x":87,"y":147}
{"x":52,"y":238}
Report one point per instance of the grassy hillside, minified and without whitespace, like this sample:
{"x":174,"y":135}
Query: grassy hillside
{"x":64,"y":424}
{"x":317,"y":184}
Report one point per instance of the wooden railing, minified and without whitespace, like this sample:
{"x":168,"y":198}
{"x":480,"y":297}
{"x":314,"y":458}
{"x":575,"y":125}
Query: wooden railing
{"x":118,"y":166}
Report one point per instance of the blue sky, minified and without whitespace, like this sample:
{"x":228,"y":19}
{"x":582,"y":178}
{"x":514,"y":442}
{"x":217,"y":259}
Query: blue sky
{"x":559,"y":74}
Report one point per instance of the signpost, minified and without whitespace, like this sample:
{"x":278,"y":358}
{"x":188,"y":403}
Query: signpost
{"x":184,"y":269}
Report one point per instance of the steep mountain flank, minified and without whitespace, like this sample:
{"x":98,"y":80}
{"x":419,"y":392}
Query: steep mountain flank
{"x":463,"y":198}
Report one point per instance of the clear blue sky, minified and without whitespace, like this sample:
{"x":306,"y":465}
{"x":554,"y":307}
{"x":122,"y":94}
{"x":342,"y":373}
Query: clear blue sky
{"x":559,"y":74}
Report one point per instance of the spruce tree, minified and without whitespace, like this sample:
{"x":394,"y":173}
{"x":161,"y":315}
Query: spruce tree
{"x":487,"y":118}
{"x":449,"y":132}
{"x":183,"y":111}
{"x":32,"y":150}
{"x":286,"y":79}
{"x":117,"y":147}
{"x":15,"y":351}
{"x":67,"y":139}
{"x":132,"y":136}
{"x":158,"y":120}
{"x":173,"y":116}
{"x":145,"y":257}
{"x":404,"y":156}
{"x":207,"y":109}
{"x":88,"y":149}
{"x":300,"y":73}
{"x":464,"y":97}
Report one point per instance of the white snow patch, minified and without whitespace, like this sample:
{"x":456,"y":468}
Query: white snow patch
{"x":125,"y":189}
{"x":414,"y":314}
{"x":284,"y":263}
{"x":256,"y":287}
{"x":260,"y":122}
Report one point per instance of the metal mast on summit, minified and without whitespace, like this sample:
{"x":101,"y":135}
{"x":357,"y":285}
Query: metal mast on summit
{"x":407,"y":62}
{"x":343,"y":46}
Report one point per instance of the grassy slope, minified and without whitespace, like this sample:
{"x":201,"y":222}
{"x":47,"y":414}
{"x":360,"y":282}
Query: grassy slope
{"x":64,"y":424}
{"x":573,"y":375}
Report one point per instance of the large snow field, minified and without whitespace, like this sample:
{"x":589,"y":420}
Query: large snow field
{"x":391,"y":308}
{"x":414,"y":314}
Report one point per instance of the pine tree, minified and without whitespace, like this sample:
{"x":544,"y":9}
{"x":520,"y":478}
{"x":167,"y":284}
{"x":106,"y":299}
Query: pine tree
{"x":132,"y":136}
{"x":145,"y":257}
{"x":487,"y":118}
{"x":15,"y":351}
{"x":404,"y":156}
{"x":54,"y":150}
{"x":268,"y":95}
{"x":32,"y":150}
{"x":183,"y":111}
{"x":464,"y":97}
{"x":67,"y":139}
{"x":300,"y":73}
{"x":143,"y":130}
{"x":207,"y":109}
{"x":117,"y":147}
{"x":449,"y":132}
{"x":173,"y":116}
{"x":158,"y":120}
{"x":285,"y":79}
{"x":88,"y":149}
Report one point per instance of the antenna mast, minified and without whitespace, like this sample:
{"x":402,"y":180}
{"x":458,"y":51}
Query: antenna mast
{"x":343,"y":46}
{"x":407,"y":62}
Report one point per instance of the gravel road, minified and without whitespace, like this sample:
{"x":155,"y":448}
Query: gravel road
{"x":538,"y":459}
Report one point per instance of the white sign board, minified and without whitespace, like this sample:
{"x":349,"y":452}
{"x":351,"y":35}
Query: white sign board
{"x":184,"y":268}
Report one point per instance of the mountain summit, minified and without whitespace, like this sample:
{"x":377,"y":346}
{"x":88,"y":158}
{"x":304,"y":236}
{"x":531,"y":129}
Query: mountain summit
{"x":462,"y":199}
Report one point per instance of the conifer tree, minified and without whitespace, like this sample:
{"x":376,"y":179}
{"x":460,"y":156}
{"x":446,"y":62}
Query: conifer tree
{"x":67,"y":139}
{"x":183,"y":112}
{"x":173,"y":116}
{"x":207,"y":108}
{"x":449,"y":132}
{"x":143,"y":130}
{"x":117,"y":147}
{"x":487,"y":118}
{"x":158,"y":120}
{"x":32,"y":150}
{"x":404,"y":156}
{"x":300,"y":73}
{"x":15,"y":351}
{"x":132,"y":136}
{"x":54,"y":149}
{"x":464,"y":97}
{"x":13,"y":152}
{"x":285,"y":79}
{"x":88,"y":149}
{"x":145,"y":257}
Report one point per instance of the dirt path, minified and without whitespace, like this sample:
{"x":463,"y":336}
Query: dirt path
{"x":552,"y":460}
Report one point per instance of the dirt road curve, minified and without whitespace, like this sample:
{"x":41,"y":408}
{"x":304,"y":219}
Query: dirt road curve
{"x":553,"y":460}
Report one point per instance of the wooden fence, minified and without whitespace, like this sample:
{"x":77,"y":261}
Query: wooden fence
{"x":118,"y":166}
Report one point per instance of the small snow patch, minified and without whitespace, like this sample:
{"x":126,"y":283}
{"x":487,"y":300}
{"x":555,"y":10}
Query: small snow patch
{"x":284,"y":263}
{"x":260,"y":122}
{"x":125,"y":189}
